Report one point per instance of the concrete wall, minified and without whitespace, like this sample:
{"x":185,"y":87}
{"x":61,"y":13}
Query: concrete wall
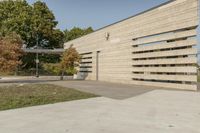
{"x":155,"y":48}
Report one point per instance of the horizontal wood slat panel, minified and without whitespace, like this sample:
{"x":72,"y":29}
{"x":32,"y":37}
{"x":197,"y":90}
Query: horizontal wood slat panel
{"x":167,"y":36}
{"x":87,"y":55}
{"x":164,"y":45}
{"x":188,"y":60}
{"x":189,"y":51}
{"x":85,"y":69}
{"x":85,"y":65}
{"x":192,"y":78}
{"x":184,"y":69}
{"x":86,"y":60}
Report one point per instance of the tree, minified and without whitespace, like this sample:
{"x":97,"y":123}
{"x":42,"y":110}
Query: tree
{"x":10,"y":52}
{"x":76,"y":33}
{"x":31,"y":22}
{"x":44,"y":26}
{"x":69,"y":60}
{"x":15,"y":16}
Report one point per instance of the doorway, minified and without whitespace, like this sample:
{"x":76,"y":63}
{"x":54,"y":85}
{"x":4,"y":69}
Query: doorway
{"x":97,"y":65}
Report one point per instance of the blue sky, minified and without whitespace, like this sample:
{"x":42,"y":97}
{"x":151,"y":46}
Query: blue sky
{"x":95,"y":13}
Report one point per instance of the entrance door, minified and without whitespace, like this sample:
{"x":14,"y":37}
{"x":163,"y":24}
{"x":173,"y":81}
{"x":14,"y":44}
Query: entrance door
{"x":97,"y":65}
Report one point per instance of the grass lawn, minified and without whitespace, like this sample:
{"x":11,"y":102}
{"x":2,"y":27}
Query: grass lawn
{"x":17,"y":96}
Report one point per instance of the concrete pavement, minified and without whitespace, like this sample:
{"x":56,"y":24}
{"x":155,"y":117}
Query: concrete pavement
{"x":157,"y":111}
{"x":110,"y":90}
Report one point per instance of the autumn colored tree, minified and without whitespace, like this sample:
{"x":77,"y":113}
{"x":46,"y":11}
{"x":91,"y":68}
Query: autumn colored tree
{"x":10,"y":52}
{"x":69,"y":60}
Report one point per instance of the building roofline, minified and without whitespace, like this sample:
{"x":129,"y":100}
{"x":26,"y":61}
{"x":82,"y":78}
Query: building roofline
{"x":162,"y":4}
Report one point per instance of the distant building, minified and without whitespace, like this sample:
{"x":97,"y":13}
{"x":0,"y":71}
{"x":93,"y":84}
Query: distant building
{"x":154,"y":48}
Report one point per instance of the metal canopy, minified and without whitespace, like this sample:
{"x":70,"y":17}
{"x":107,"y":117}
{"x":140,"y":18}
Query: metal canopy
{"x":46,"y":51}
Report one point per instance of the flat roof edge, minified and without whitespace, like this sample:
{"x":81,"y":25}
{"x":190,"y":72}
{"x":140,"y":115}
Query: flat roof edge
{"x":162,"y":4}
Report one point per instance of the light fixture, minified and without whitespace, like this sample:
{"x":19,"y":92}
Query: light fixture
{"x":107,"y":35}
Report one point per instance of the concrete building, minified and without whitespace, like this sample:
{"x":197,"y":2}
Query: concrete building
{"x":154,"y":48}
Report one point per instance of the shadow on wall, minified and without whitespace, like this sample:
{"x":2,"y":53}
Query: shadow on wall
{"x":81,"y":76}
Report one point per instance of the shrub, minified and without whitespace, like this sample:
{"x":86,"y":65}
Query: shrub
{"x":53,"y":68}
{"x":71,"y":71}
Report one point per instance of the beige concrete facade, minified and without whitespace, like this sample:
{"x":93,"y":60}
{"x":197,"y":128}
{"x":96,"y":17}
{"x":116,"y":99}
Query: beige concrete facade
{"x":155,"y":48}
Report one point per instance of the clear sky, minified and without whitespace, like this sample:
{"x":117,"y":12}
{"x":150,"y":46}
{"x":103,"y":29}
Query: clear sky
{"x":95,"y":13}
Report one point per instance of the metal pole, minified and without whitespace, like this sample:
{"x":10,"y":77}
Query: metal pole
{"x":37,"y":60}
